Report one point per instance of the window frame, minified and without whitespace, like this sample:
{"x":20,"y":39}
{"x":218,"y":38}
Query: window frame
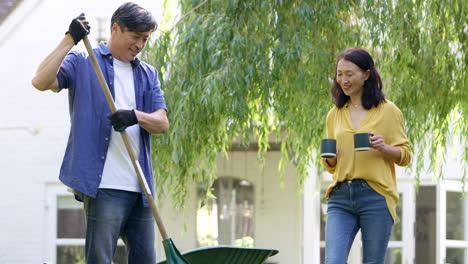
{"x":53,"y":192}
{"x":441,"y":213}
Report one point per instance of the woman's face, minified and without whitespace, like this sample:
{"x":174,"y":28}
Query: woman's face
{"x":351,"y":78}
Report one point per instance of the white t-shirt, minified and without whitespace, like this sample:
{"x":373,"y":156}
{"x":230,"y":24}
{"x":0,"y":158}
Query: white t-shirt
{"x":118,"y":170}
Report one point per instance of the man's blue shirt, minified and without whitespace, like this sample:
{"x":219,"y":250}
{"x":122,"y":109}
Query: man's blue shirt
{"x":90,"y":130}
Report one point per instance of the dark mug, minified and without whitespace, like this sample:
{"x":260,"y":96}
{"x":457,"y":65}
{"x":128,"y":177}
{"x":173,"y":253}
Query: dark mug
{"x":362,"y":141}
{"x":328,"y":148}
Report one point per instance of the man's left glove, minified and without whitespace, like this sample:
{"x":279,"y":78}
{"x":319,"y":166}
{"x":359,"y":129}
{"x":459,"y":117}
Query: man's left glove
{"x":122,"y":119}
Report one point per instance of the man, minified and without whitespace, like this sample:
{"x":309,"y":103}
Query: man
{"x":96,"y":165}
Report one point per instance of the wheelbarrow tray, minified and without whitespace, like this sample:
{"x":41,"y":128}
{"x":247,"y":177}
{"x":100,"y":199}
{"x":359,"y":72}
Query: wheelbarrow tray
{"x":227,"y":255}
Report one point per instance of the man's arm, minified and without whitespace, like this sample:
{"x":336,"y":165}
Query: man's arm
{"x":155,"y":122}
{"x":46,"y":74}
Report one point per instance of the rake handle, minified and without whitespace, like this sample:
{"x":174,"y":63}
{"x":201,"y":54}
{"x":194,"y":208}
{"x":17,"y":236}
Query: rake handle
{"x":136,"y":164}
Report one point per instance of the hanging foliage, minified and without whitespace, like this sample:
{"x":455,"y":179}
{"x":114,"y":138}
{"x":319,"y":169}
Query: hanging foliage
{"x":235,"y":69}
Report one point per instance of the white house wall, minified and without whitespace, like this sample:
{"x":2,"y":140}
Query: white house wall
{"x":34,"y":125}
{"x":278,"y":212}
{"x":278,"y":205}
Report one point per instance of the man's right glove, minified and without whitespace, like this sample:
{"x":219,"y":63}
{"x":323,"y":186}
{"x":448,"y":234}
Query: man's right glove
{"x":122,"y":119}
{"x":78,"y":28}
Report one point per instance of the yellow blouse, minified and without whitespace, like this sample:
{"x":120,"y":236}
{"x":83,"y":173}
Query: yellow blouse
{"x":385,"y":120}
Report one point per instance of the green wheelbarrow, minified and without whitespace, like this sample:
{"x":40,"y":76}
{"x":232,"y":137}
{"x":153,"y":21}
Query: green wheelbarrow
{"x":227,"y":255}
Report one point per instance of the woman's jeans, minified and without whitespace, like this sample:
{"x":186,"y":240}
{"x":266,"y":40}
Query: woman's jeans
{"x":354,"y":205}
{"x":113,"y":214}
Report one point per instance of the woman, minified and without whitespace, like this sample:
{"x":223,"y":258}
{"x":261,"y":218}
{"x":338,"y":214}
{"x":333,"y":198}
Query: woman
{"x":363,"y":194}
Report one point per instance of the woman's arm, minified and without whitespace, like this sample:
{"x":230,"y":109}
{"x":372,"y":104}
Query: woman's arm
{"x":389,"y":152}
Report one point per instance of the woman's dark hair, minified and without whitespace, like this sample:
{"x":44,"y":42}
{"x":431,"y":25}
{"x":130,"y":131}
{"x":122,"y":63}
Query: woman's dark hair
{"x":133,"y":17}
{"x":372,"y":94}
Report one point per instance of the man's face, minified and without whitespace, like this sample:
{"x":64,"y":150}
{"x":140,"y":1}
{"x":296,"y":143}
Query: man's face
{"x":127,"y":44}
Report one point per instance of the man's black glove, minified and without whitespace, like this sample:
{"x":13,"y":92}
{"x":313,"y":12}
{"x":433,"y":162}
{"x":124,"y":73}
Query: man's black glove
{"x":78,"y":28}
{"x":122,"y":119}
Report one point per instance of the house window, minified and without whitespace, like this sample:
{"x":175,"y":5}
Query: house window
{"x":66,"y":230}
{"x":71,"y":233}
{"x":456,"y":231}
{"x":227,"y":219}
{"x":70,"y":213}
{"x":323,"y":220}
{"x":426,"y":225}
{"x":395,"y":246}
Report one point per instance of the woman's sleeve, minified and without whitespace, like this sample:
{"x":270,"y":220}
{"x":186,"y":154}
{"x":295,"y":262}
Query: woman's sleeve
{"x":401,"y":141}
{"x":330,"y":134}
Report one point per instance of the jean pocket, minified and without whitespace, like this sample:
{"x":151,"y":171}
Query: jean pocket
{"x":336,"y":188}
{"x":366,"y":186}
